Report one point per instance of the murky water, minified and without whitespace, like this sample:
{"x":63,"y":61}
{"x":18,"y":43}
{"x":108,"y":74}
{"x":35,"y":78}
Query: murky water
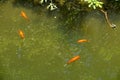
{"x":47,"y":47}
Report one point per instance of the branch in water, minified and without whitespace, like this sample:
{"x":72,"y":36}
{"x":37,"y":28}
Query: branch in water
{"x":106,"y":17}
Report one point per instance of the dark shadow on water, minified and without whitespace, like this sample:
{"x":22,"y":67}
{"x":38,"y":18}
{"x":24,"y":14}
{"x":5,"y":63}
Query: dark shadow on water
{"x":69,"y":20}
{"x":113,"y":5}
{"x":3,"y":1}
{"x":72,"y":18}
{"x":22,"y":3}
{"x":72,"y":22}
{"x":32,"y":5}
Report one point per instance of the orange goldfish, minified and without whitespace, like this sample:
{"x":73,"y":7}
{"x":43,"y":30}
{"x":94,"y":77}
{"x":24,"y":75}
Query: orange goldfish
{"x":23,"y":14}
{"x":73,"y":59}
{"x":82,"y":40}
{"x":21,"y":34}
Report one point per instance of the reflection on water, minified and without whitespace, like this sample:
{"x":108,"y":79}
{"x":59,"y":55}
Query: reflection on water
{"x":46,"y":48}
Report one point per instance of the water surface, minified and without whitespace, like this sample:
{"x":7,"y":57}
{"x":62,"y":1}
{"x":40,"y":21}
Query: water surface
{"x":48,"y":46}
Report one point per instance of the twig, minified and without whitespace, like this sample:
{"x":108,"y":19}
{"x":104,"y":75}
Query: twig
{"x":106,"y":17}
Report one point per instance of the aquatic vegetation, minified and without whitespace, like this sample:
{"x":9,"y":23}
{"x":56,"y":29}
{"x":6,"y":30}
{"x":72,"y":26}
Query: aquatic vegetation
{"x":73,"y":10}
{"x":77,"y":3}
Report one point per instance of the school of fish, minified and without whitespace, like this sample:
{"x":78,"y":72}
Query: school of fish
{"x":20,"y":32}
{"x":77,"y":57}
{"x":22,"y":36}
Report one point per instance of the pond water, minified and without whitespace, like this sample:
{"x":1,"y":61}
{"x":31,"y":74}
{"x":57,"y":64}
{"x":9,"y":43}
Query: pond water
{"x":48,"y":46}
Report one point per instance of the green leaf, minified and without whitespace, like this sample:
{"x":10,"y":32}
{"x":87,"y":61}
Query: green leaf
{"x":94,"y":7}
{"x":100,"y":6}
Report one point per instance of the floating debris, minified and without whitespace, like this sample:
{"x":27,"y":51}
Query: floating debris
{"x":113,"y":26}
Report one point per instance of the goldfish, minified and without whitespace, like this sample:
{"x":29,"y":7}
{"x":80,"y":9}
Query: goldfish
{"x":21,"y":34}
{"x":82,"y":40}
{"x":73,"y":59}
{"x":23,"y":14}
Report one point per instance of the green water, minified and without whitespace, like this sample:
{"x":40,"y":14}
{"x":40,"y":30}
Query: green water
{"x":48,"y":46}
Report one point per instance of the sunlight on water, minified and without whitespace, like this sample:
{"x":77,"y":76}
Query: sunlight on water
{"x":44,"y":52}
